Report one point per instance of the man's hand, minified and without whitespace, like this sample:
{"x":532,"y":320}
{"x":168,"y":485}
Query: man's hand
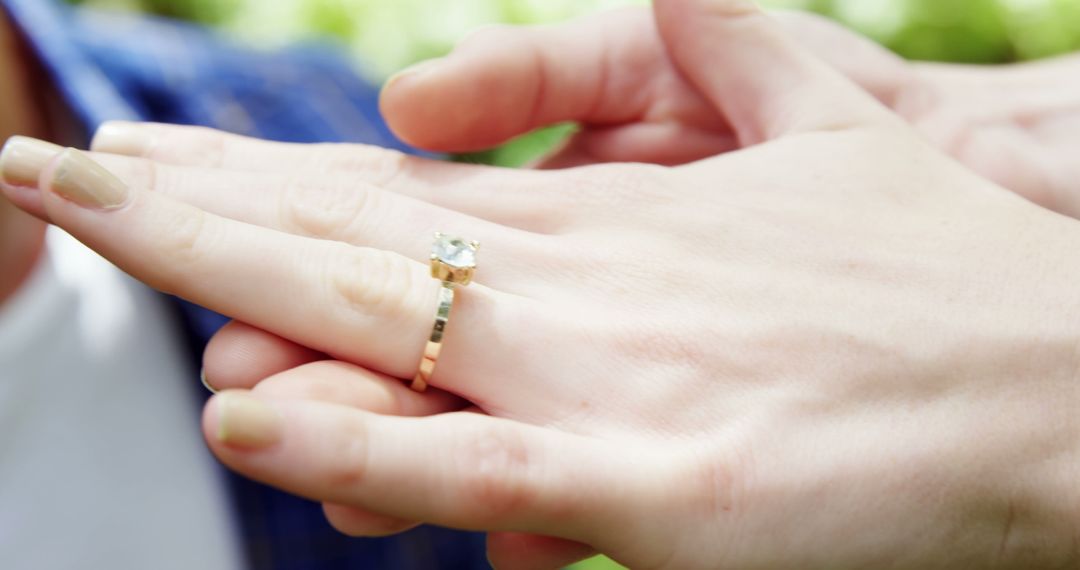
{"x":1018,"y":125}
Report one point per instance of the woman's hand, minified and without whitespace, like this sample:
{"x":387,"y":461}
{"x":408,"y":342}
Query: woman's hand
{"x":1017,"y":125}
{"x":833,"y":349}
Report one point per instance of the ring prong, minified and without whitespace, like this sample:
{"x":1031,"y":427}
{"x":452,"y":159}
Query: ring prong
{"x":475,"y":244}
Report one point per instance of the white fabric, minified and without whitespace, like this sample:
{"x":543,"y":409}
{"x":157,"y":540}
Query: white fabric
{"x":102,"y":464}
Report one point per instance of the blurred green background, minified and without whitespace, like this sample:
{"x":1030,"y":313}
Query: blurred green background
{"x":386,"y":35}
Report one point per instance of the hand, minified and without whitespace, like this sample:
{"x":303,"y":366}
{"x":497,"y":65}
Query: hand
{"x":832,"y":349}
{"x":612,"y":73}
{"x":1017,"y":125}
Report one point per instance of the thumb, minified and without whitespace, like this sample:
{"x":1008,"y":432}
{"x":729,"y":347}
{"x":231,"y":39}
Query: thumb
{"x":764,"y":82}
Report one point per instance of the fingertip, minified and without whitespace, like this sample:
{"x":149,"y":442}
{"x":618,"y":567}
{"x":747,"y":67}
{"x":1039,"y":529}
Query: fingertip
{"x":431,"y":108}
{"x":78,"y":179}
{"x":124,"y":137}
{"x":475,"y":98}
{"x":236,"y":419}
{"x":353,"y":521}
{"x":22,"y":160}
{"x":411,"y":105}
{"x":240,"y":355}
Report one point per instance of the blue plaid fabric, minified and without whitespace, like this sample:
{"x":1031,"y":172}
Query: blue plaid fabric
{"x":113,"y":66}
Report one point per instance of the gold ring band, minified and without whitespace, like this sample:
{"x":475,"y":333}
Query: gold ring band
{"x":434,"y":343}
{"x":453,"y":262}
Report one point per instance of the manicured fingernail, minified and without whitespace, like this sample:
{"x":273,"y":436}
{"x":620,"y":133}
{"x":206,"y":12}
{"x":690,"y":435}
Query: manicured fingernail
{"x":246,"y":421}
{"x":87,"y":183}
{"x":119,"y":137}
{"x":23,"y":159}
{"x":413,"y":71}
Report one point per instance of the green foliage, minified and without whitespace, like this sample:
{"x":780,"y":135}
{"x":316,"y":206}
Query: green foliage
{"x":205,"y":11}
{"x":389,"y":34}
{"x":970,"y":31}
{"x":523,"y":149}
{"x":596,"y":563}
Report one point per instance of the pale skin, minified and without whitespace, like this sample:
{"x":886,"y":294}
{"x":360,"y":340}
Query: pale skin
{"x":833,"y":348}
{"x":1016,"y":125}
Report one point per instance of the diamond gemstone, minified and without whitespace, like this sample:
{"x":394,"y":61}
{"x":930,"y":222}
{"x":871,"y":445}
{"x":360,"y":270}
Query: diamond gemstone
{"x":455,"y":252}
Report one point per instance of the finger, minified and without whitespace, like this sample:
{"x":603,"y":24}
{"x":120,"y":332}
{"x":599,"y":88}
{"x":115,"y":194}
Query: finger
{"x":21,"y":162}
{"x":240,"y":355}
{"x":522,"y":551}
{"x":363,"y":305}
{"x":462,"y":470}
{"x":764,"y":82}
{"x":860,"y":59}
{"x":354,"y":521}
{"x":335,"y":207}
{"x":605,"y":70}
{"x":346,"y":384}
{"x":514,"y":198}
{"x":667,"y":144}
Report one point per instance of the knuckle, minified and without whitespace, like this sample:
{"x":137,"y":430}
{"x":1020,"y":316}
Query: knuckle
{"x":194,"y":145}
{"x":183,"y":235}
{"x":349,"y":465}
{"x":325,"y":211}
{"x":374,"y":285}
{"x":499,"y":473}
{"x":380,"y":166}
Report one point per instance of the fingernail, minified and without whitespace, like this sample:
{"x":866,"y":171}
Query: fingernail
{"x":206,"y":383}
{"x":245,"y":421}
{"x":413,"y":71}
{"x":120,"y":137}
{"x":23,"y":159}
{"x":86,"y":183}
